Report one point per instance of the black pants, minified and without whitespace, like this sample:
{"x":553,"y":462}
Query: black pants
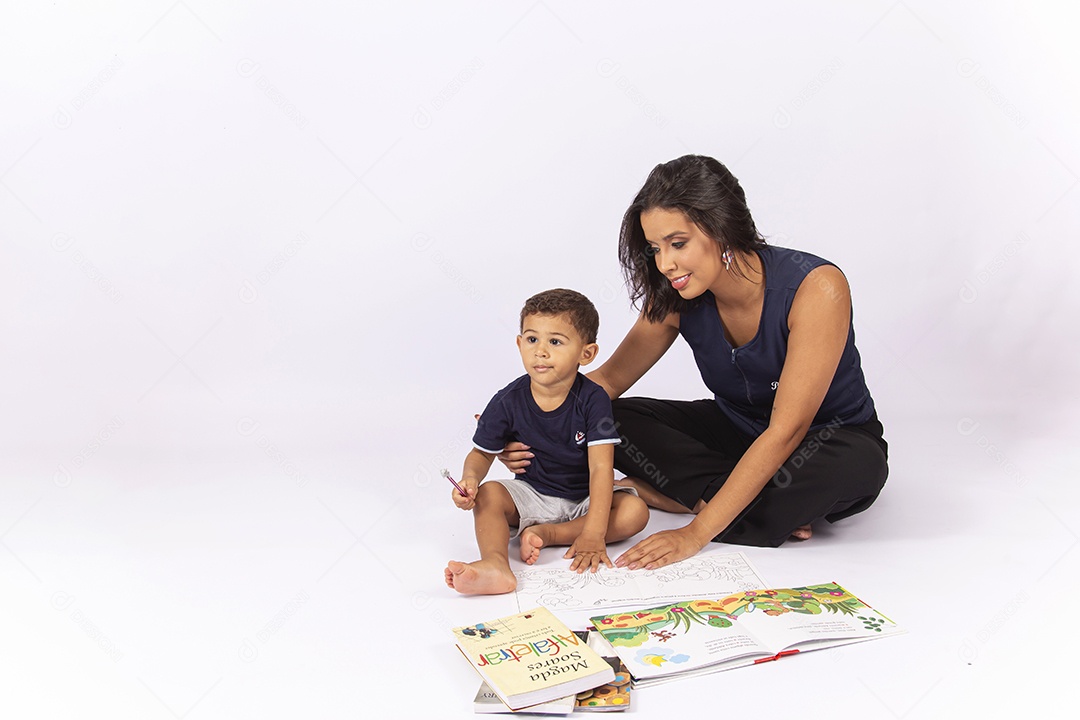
{"x":687,"y":450}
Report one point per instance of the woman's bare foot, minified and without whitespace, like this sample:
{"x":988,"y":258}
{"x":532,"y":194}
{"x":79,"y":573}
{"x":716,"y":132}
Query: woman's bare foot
{"x":803,"y":532}
{"x":532,"y":539}
{"x":483,"y":577}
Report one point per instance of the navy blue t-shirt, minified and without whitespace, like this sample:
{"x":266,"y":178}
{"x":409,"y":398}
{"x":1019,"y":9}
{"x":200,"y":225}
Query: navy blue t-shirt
{"x":744,"y":379}
{"x":559,"y":439}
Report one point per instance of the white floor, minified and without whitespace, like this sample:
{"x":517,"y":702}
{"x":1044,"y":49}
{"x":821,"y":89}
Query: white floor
{"x":240,"y":588}
{"x":263,"y":260}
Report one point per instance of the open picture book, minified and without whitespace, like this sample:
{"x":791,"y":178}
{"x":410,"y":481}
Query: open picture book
{"x":569,"y":593}
{"x":695,"y":637}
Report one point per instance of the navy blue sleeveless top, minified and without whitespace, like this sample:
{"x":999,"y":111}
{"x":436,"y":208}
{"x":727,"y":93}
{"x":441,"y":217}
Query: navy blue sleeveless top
{"x":744,"y":379}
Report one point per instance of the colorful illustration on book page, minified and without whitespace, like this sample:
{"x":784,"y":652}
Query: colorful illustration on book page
{"x":705,"y":575}
{"x":662,"y":623}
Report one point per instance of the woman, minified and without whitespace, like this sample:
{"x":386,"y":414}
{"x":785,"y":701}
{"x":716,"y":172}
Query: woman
{"x":791,"y":436}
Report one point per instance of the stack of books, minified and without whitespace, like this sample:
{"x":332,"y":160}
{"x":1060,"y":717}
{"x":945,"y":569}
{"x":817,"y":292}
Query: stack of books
{"x":532,"y":662}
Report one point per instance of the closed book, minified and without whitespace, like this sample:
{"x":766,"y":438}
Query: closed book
{"x":486,"y":701}
{"x":531,"y":657}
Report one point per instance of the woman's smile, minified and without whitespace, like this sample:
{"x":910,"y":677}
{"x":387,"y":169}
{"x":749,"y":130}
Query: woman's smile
{"x":680,"y":282}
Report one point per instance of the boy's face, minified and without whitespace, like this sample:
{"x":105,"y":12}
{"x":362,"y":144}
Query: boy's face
{"x":551,"y":350}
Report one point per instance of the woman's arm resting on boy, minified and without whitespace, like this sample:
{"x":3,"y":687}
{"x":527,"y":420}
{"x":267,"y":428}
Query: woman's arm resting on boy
{"x":515,"y":456}
{"x":644,"y":344}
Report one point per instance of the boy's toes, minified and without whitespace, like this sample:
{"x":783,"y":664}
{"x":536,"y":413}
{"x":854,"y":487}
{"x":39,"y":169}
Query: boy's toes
{"x":530,"y":547}
{"x":453,"y":568}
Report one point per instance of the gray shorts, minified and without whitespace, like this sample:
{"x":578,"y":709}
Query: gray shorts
{"x":535,"y":508}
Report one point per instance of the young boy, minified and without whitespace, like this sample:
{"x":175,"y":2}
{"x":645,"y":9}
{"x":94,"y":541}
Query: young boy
{"x":567,"y":494}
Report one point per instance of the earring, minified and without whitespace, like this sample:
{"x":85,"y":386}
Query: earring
{"x":726,"y":257}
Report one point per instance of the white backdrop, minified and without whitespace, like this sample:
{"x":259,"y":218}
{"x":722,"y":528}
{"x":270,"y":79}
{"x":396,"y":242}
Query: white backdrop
{"x":260,"y":258}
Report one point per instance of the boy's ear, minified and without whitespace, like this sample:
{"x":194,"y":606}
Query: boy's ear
{"x":588,"y":353}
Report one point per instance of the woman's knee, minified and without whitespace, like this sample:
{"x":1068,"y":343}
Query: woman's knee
{"x":648,"y":410}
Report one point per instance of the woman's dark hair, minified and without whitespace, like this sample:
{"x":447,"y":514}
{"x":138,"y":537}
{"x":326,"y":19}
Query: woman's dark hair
{"x":710,"y":197}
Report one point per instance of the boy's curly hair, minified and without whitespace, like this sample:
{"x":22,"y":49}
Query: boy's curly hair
{"x":578,"y":309}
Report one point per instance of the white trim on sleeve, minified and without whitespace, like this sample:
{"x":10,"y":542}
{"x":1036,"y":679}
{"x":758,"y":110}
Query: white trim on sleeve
{"x":608,"y":441}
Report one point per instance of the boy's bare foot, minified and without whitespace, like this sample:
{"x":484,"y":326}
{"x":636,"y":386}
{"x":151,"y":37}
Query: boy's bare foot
{"x":803,"y":532}
{"x":532,"y":539}
{"x":483,"y":577}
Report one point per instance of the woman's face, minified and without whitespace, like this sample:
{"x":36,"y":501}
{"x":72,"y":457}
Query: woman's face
{"x":685,"y":255}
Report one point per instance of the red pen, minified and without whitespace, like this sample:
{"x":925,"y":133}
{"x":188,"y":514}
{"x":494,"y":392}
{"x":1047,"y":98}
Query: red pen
{"x":446,"y":474}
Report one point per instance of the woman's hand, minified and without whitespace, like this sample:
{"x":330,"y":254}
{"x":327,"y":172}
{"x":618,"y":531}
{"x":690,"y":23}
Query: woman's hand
{"x":515,"y":456}
{"x":662,"y":548}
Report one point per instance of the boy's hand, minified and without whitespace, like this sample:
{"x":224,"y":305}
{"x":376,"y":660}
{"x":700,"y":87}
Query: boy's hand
{"x":469,"y":501}
{"x":588,"y":551}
